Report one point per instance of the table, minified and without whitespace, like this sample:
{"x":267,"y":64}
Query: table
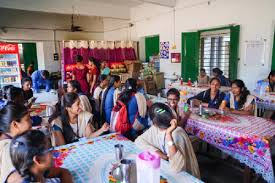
{"x":246,"y":138}
{"x":91,"y":160}
{"x":46,"y":97}
{"x":265,"y":101}
{"x":190,"y":91}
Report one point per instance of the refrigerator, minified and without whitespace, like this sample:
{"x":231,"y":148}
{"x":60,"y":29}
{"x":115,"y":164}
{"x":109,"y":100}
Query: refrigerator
{"x":10,"y":72}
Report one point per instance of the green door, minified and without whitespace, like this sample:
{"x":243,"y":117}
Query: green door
{"x":234,"y":51}
{"x":151,"y":46}
{"x":30,"y":55}
{"x":190,"y":55}
{"x":273,"y":55}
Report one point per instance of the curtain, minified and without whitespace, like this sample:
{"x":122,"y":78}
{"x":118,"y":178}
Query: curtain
{"x":110,"y":51}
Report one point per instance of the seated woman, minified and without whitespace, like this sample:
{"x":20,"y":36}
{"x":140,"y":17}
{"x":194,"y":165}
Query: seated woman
{"x":169,"y":141}
{"x":219,"y":74}
{"x":14,"y":120}
{"x":4,"y":99}
{"x":203,"y":79}
{"x":103,"y":82}
{"x":73,"y":123}
{"x":74,"y":86}
{"x":136,"y":108}
{"x":15,"y":95}
{"x":33,"y":160}
{"x":26,"y":86}
{"x":110,"y":97}
{"x":239,"y":100}
{"x":211,"y":98}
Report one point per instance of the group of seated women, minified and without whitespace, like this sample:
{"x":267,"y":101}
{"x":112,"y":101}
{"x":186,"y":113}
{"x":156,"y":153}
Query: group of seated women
{"x":159,"y":127}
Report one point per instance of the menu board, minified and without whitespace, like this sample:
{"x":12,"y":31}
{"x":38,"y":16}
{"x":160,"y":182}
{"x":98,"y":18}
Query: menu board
{"x":9,"y":65}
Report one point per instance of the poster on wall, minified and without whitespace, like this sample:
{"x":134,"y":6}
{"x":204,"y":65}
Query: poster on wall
{"x":9,"y":65}
{"x":175,"y":57}
{"x":164,"y":50}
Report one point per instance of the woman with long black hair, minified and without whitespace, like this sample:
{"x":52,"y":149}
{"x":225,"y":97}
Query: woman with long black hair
{"x":14,"y":120}
{"x":73,"y":123}
{"x":93,"y":73}
{"x":109,"y":97}
{"x":136,"y":108}
{"x":239,"y":100}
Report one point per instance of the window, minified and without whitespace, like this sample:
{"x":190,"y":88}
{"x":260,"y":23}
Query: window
{"x":215,"y":51}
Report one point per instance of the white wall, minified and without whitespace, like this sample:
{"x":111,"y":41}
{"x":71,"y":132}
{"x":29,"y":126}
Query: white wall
{"x":26,"y":26}
{"x":256,"y":18}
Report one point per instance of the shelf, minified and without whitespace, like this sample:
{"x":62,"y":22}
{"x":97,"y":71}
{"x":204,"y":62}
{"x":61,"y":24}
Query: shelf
{"x":15,"y":74}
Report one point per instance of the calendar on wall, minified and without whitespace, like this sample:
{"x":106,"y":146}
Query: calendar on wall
{"x":255,"y":53}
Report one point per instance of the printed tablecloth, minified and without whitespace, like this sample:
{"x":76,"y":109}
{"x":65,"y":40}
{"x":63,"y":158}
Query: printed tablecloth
{"x":265,"y":101}
{"x":246,"y":138}
{"x":91,"y":160}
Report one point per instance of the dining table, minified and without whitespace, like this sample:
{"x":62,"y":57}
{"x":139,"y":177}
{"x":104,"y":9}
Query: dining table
{"x":265,"y":101}
{"x":91,"y":160}
{"x":245,"y":138}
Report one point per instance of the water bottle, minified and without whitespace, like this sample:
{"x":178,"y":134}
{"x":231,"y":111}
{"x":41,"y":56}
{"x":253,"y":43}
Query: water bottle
{"x":148,"y":167}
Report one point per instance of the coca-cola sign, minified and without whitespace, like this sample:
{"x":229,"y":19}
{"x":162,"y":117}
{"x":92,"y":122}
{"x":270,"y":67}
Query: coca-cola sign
{"x":8,"y":48}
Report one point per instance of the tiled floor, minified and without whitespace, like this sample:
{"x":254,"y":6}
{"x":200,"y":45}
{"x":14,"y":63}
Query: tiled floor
{"x":221,"y":171}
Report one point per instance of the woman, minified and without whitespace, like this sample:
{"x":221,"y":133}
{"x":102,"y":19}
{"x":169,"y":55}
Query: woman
{"x":33,"y":161}
{"x":74,"y":87}
{"x":104,"y":68}
{"x":15,"y":95}
{"x":30,"y":69}
{"x":211,"y":98}
{"x":93,"y":73}
{"x":80,"y":73}
{"x":203,"y":79}
{"x":14,"y":120}
{"x":270,"y":82}
{"x":169,"y":141}
{"x":73,"y":123}
{"x":136,"y":108}
{"x":103,"y":81}
{"x":219,"y":74}
{"x":110,"y":96}
{"x":26,"y":86}
{"x":239,"y":100}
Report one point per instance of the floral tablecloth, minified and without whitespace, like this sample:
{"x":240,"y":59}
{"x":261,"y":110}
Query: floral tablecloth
{"x":246,"y":138}
{"x":91,"y":160}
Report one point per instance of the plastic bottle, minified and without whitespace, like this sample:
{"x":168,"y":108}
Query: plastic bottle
{"x":148,"y":167}
{"x":189,"y":83}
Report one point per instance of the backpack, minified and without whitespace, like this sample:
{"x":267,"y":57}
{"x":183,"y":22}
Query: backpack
{"x":119,"y":118}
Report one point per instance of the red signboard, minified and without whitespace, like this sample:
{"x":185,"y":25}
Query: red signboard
{"x":8,"y":48}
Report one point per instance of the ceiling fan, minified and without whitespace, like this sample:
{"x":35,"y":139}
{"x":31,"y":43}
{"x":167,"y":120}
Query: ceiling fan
{"x":74,"y":28}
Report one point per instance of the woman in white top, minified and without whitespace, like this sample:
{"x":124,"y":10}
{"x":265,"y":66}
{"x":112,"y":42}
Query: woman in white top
{"x":74,"y":86}
{"x":73,"y":123}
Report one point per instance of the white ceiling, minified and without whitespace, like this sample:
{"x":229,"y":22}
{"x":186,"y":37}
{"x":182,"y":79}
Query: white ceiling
{"x":103,"y":8}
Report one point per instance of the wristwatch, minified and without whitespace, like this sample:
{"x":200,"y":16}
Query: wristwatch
{"x":170,"y":143}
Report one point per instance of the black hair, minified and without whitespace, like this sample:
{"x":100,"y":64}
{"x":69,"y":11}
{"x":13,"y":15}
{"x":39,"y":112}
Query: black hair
{"x":130,"y":88}
{"x":94,"y":61}
{"x":218,"y":71}
{"x":78,"y":58}
{"x":101,"y":78}
{"x":272,"y":73}
{"x":244,"y":92}
{"x":26,"y":79}
{"x":68,"y":100}
{"x":76,"y":85}
{"x":15,"y":95}
{"x":161,"y":115}
{"x":9,"y":113}
{"x":45,"y":74}
{"x":113,"y":79}
{"x":173,"y":91}
{"x":215,"y":79}
{"x":202,"y":70}
{"x":24,"y":148}
{"x":5,"y":91}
